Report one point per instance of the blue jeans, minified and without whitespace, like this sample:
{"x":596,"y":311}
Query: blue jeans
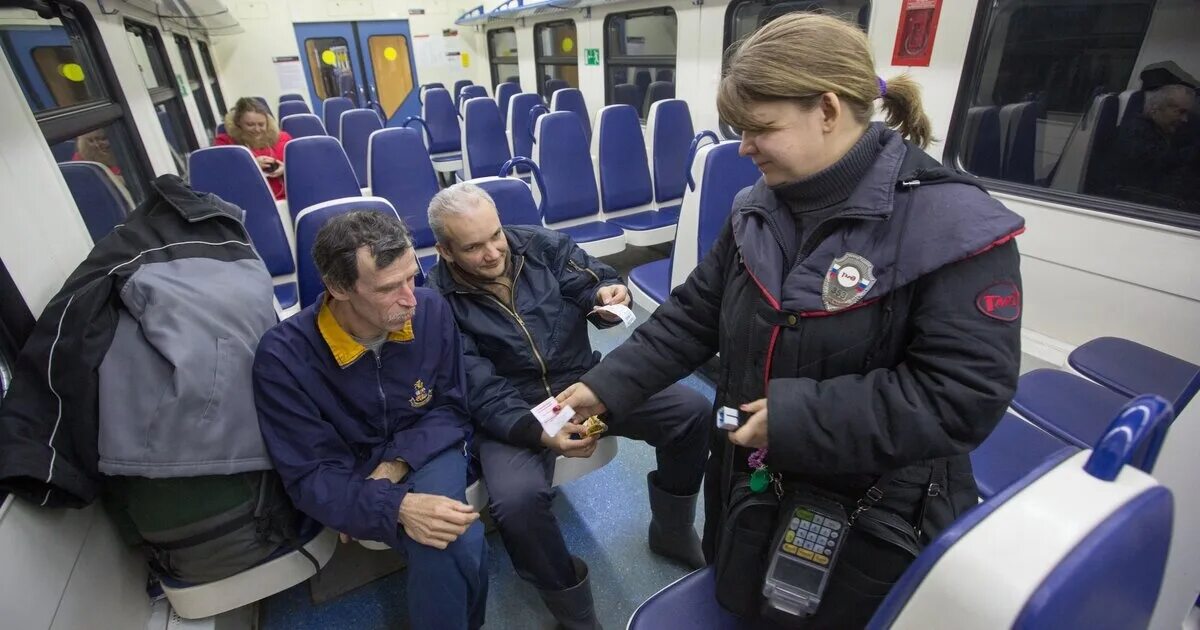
{"x":447,"y":588}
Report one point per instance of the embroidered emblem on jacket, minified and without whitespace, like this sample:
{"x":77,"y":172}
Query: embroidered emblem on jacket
{"x":421,"y":395}
{"x":849,"y":278}
{"x":1001,"y":300}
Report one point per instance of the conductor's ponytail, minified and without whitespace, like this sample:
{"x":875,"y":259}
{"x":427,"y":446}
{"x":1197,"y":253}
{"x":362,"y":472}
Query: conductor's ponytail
{"x":902,"y":110}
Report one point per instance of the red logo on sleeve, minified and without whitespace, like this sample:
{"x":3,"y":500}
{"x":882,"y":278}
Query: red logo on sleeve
{"x":1001,"y":301}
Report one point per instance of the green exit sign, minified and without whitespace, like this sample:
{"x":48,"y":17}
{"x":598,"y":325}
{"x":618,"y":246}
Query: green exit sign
{"x":593,"y":56}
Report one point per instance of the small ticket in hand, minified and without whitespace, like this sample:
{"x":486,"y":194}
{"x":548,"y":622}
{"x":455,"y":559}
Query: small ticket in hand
{"x":594,"y":426}
{"x":728,"y":419}
{"x":551,"y":421}
{"x":620,"y":310}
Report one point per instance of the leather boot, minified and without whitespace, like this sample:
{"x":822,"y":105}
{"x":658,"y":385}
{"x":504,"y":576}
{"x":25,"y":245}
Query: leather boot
{"x":671,"y":532}
{"x":573,"y":607}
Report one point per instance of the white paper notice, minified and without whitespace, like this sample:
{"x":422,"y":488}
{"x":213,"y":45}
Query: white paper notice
{"x":620,"y":310}
{"x":290,"y":73}
{"x":552,"y":422}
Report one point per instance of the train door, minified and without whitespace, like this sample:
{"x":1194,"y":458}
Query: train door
{"x":370,"y":63}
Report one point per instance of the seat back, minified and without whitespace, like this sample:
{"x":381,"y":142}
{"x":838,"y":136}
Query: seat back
{"x":441,"y":122}
{"x":230,"y":172}
{"x":1018,"y":128}
{"x":263,"y":102}
{"x":287,"y":108}
{"x":504,"y":94}
{"x":664,"y":74}
{"x":518,"y":123}
{"x":101,"y":200}
{"x":659,"y":90}
{"x":571,"y":100}
{"x":309,"y":223}
{"x":1132,"y":102}
{"x":554,"y":85}
{"x":719,"y":173}
{"x":621,"y":152}
{"x":429,"y":86}
{"x":1080,"y":166}
{"x":485,"y":147}
{"x":302,"y":125}
{"x":458,"y":88}
{"x":642,"y":79}
{"x":561,"y":153}
{"x":669,"y":128}
{"x":331,"y":114}
{"x":984,"y":148}
{"x":355,"y":129}
{"x":289,"y":97}
{"x":317,"y":171}
{"x":401,"y":173}
{"x":627,"y":94}
{"x":470,"y":92}
{"x":513,"y":198}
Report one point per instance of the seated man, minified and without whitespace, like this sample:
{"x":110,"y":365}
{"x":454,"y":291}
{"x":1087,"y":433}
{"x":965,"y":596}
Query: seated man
{"x":522,"y":297}
{"x":362,"y":404}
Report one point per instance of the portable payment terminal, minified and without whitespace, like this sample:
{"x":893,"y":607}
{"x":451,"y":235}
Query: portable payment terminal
{"x":804,"y":553}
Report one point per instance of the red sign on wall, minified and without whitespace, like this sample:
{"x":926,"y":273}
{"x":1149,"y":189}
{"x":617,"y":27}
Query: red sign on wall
{"x":915,"y":33}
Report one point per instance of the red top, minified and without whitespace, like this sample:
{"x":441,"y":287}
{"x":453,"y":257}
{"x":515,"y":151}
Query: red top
{"x":276,"y":183}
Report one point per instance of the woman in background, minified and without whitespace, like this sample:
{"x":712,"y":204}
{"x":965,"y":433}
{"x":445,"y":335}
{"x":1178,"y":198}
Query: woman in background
{"x":252,"y":126}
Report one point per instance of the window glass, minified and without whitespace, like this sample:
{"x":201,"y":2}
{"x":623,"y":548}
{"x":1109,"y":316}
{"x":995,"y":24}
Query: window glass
{"x":192,"y":70}
{"x":109,"y":147}
{"x":640,"y":58}
{"x":502,"y":55}
{"x":50,"y":61}
{"x":1090,"y":98}
{"x":218,"y":96}
{"x":556,"y":55}
{"x":393,"y":73}
{"x":149,"y":57}
{"x":329,"y":63}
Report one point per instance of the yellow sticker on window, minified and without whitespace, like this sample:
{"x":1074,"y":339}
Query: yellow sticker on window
{"x":328,"y":57}
{"x":72,"y":72}
{"x":568,"y":44}
{"x":389,"y":53}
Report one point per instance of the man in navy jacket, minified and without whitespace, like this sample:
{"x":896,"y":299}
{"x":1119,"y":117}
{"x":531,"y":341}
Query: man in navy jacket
{"x":362,"y":404}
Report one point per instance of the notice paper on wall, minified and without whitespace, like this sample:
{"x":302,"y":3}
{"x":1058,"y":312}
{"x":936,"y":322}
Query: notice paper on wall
{"x":290,"y":73}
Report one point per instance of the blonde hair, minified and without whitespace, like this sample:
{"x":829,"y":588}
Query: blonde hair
{"x":801,"y":56}
{"x":244,"y":106}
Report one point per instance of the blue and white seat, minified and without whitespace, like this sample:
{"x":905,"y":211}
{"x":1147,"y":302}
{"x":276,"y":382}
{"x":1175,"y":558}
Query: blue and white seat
{"x":571,"y":100}
{"x":331,"y":114}
{"x":302,"y":125}
{"x":626,"y":192}
{"x":1065,"y":405}
{"x":317,"y":170}
{"x":513,"y":198}
{"x":1018,"y":132}
{"x":457,"y":92}
{"x":627,"y":94}
{"x":401,"y":172}
{"x":983,"y":152}
{"x":231,"y":173}
{"x":429,"y":86}
{"x":554,"y":85}
{"x":567,"y":194}
{"x":355,"y":129}
{"x":658,"y":91}
{"x":470,"y":92}
{"x":291,"y":96}
{"x":517,"y":125}
{"x":288,"y":108}
{"x":669,"y":129}
{"x":504,"y":94}
{"x":485,"y":147}
{"x":102,"y":201}
{"x":442,"y":132}
{"x":1130,"y":368}
{"x":1012,"y":449}
{"x":1088,"y":145}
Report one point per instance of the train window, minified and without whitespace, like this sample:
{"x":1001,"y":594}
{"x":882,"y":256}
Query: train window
{"x":502,"y":56}
{"x":69,"y":83}
{"x":639,"y":52}
{"x":206,"y":58}
{"x":192,"y":71}
{"x":556,"y":55}
{"x":1088,"y":103}
{"x":329,"y":63}
{"x":164,"y":92}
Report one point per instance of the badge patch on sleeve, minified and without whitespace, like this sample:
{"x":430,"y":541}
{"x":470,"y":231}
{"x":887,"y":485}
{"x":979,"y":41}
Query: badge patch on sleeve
{"x":1001,"y":301}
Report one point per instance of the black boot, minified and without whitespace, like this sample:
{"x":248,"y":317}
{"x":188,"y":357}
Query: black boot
{"x":573,"y":607}
{"x":671,"y":533}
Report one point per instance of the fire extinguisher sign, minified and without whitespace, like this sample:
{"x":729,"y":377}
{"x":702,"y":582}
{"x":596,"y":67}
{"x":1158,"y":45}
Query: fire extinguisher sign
{"x":915,"y":33}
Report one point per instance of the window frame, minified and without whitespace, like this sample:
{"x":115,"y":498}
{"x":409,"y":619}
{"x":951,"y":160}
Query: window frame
{"x":169,"y":96}
{"x":637,"y":61}
{"x":210,"y":69}
{"x":968,"y":84}
{"x":495,"y":61}
{"x":196,"y":82}
{"x":541,"y":61}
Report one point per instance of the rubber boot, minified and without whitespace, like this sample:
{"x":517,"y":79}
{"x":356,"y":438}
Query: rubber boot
{"x":671,"y":532}
{"x":573,"y":607}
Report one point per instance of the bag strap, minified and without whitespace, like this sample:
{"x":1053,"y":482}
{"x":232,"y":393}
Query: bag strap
{"x":874,"y":494}
{"x":275,"y":530}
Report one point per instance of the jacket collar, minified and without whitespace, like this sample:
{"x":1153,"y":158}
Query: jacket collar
{"x":193,"y":206}
{"x":344,"y":348}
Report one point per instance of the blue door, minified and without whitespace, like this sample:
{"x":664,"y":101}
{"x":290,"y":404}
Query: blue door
{"x":371,"y":63}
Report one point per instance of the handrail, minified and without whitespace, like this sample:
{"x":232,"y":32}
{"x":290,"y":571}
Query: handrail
{"x":533,"y":119}
{"x":1134,"y":438}
{"x":693,"y":149}
{"x":533,"y":168}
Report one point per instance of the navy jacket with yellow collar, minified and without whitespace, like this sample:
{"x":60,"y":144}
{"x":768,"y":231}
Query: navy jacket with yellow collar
{"x":330,"y":410}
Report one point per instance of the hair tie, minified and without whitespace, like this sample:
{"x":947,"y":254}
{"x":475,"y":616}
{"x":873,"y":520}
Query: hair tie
{"x":882,"y":87}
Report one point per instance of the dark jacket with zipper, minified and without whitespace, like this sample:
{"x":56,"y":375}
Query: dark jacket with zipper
{"x":906,"y":381}
{"x":515,"y":359}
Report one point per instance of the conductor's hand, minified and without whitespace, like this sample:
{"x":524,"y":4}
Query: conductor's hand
{"x":562,"y":443}
{"x":581,"y":398}
{"x":752,"y":433}
{"x":433,"y":520}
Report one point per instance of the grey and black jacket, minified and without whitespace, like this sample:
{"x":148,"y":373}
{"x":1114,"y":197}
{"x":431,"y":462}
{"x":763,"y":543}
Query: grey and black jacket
{"x":140,"y":365}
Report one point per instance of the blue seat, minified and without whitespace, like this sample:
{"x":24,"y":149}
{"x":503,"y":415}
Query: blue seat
{"x":470,"y":92}
{"x":310,"y":221}
{"x":355,"y":129}
{"x":626,"y":192}
{"x":63,"y":151}
{"x":102,"y":202}
{"x":485,"y":147}
{"x":982,"y":147}
{"x":458,"y":88}
{"x":571,"y":100}
{"x":331,"y":114}
{"x":429,"y":86}
{"x":290,"y":96}
{"x":230,"y":172}
{"x":513,"y":79}
{"x":400,"y":172}
{"x":287,"y":108}
{"x":518,"y":126}
{"x":1072,"y":409}
{"x":627,"y":94}
{"x":1018,"y":131}
{"x":513,"y":198}
{"x":659,"y":90}
{"x":653,"y":279}
{"x":504,"y":94}
{"x":442,"y":132}
{"x":664,"y":74}
{"x":689,"y":602}
{"x":317,"y":170}
{"x":642,"y":79}
{"x":263,"y":102}
{"x":1130,"y":369}
{"x":221,"y":128}
{"x":569,"y":201}
{"x":554,"y":85}
{"x":302,"y":125}
{"x":1014,"y":448}
{"x":1078,"y":167}
{"x":669,"y":128}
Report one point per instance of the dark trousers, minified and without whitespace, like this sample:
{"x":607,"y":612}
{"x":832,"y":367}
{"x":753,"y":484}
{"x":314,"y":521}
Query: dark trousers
{"x":675,"y":421}
{"x":447,"y":588}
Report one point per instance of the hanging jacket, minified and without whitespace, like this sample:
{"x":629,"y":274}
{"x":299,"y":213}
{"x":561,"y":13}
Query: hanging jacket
{"x":140,"y":365}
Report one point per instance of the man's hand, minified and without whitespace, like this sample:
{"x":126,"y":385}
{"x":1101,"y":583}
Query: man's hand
{"x":393,"y":471}
{"x":581,"y":398}
{"x":562,"y":443}
{"x":433,"y":520}
{"x":753,"y":432}
{"x":612,"y":294}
